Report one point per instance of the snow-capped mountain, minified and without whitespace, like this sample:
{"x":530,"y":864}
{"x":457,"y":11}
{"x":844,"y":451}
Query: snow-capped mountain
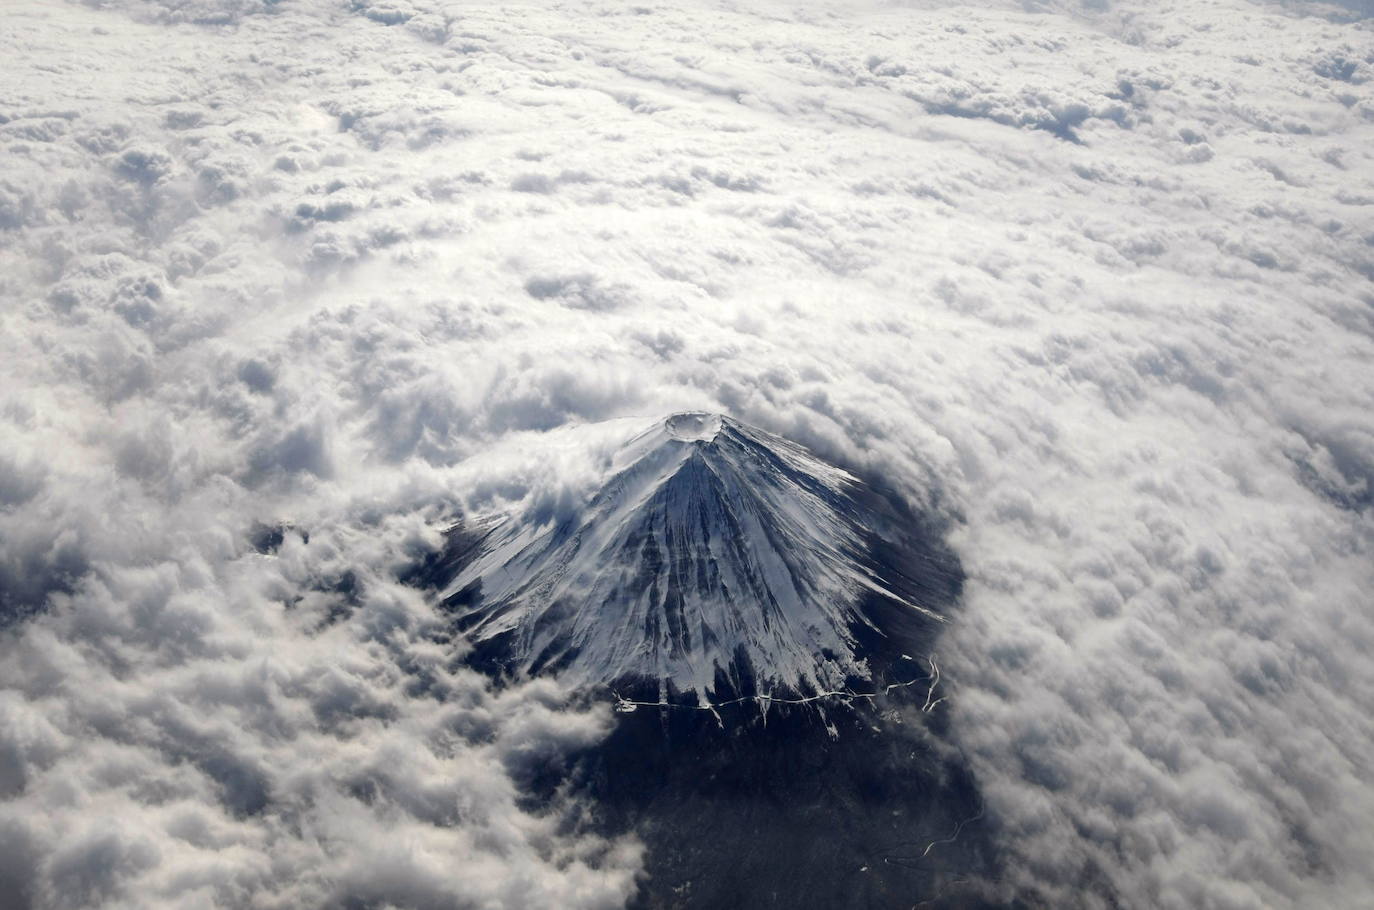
{"x":717,"y":558}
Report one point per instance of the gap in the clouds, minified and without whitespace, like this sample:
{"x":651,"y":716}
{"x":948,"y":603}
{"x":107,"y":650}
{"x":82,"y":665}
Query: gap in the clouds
{"x":844,"y":806}
{"x":34,"y":574}
{"x":849,"y":799}
{"x":1336,"y":466}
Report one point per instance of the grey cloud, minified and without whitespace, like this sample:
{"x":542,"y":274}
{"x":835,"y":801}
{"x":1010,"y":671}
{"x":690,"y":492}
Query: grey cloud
{"x":579,"y":291}
{"x":144,"y":164}
{"x":304,"y":448}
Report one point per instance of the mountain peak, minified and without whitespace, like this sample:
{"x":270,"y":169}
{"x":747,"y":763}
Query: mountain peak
{"x":716,"y":559}
{"x":693,"y":426}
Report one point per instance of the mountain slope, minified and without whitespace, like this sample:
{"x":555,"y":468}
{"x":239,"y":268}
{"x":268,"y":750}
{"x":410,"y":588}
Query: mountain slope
{"x":717,"y":558}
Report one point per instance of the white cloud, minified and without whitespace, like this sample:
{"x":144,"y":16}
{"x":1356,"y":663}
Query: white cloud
{"x":1097,"y":278}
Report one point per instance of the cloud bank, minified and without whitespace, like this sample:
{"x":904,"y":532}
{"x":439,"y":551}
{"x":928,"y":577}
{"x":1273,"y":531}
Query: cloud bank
{"x":1095,"y":281}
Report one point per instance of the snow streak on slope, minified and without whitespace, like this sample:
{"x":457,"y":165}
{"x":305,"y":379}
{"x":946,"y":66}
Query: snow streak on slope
{"x":715,"y":547}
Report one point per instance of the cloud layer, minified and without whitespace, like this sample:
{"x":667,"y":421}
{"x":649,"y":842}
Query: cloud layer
{"x":1095,"y":281}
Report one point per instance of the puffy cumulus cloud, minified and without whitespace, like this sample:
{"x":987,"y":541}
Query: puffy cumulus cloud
{"x":1094,"y":279}
{"x":211,"y":724}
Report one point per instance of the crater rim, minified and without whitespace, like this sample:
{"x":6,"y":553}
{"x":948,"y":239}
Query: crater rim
{"x":693,"y":426}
